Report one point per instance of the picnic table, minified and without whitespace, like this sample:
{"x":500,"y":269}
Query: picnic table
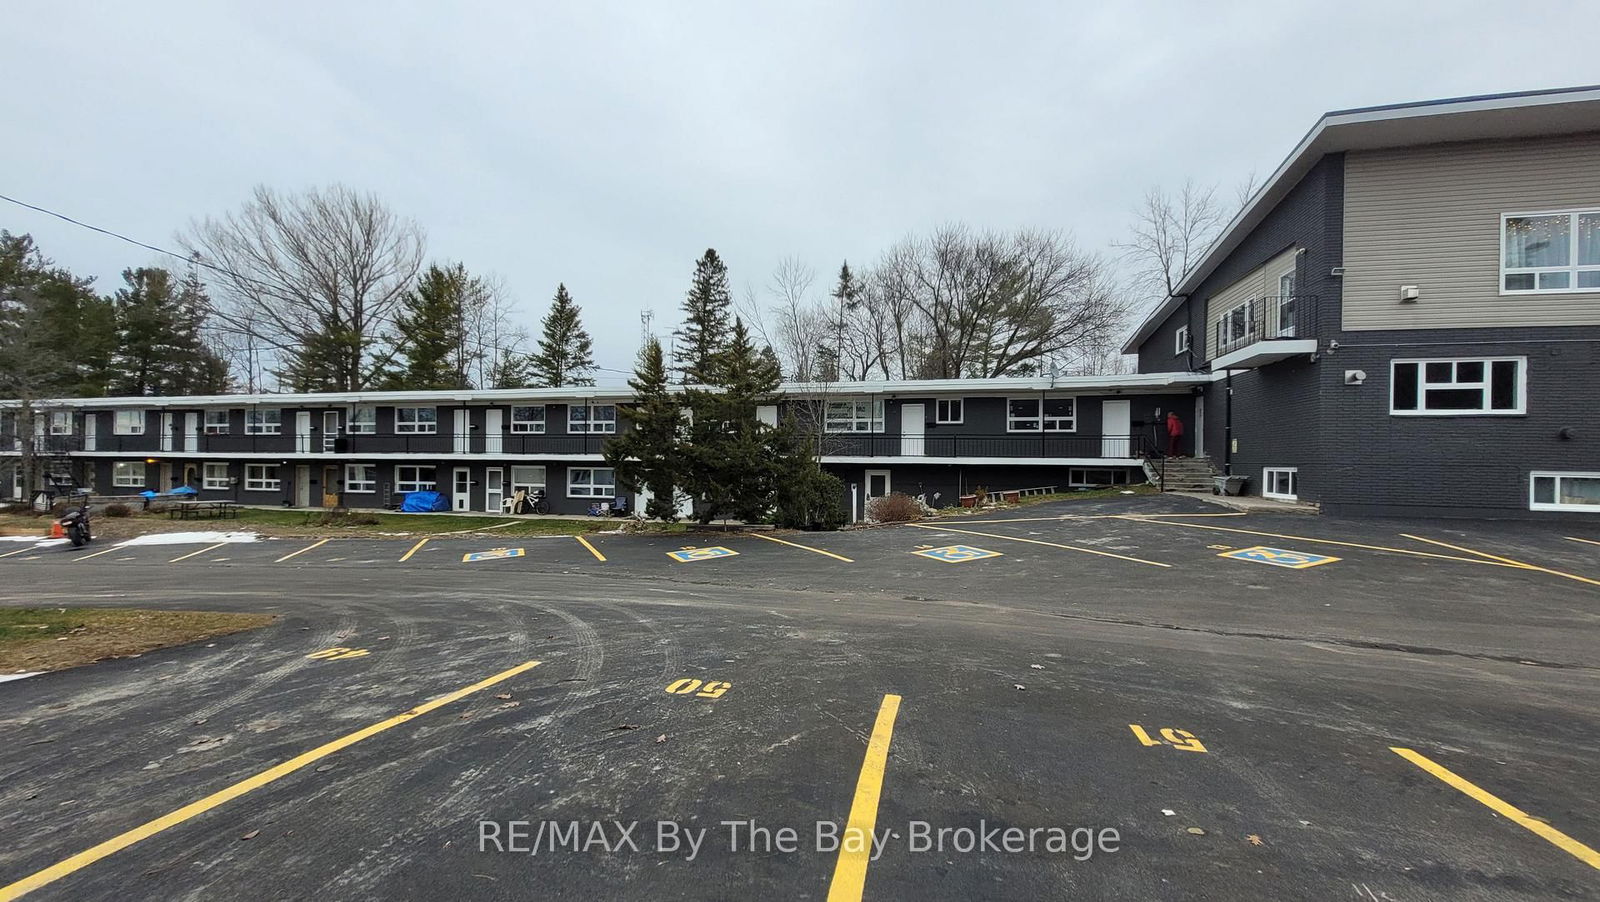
{"x":208,"y":510}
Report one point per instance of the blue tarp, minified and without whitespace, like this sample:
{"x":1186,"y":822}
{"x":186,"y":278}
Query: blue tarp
{"x":424,"y":503}
{"x":180,"y":490}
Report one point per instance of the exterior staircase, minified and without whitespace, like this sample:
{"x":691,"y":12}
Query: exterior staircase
{"x":1184,"y":474}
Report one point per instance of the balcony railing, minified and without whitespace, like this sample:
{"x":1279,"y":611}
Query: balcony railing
{"x":340,"y":446}
{"x":1265,"y":319}
{"x":1010,"y":444}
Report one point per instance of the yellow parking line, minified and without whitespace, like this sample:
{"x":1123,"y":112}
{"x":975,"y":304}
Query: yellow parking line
{"x":1508,"y":561}
{"x":1279,"y":535}
{"x":171,"y":819}
{"x":184,"y":557}
{"x":592,"y":550}
{"x":855,"y":846}
{"x":1573,"y":538}
{"x":1096,"y":517}
{"x":407,"y":556}
{"x":18,"y":551}
{"x":1505,"y":809}
{"x":316,"y":544}
{"x":837,"y":557}
{"x":85,"y":557}
{"x":995,"y":535}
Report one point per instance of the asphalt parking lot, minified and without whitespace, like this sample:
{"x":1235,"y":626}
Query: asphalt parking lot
{"x":1224,"y":692}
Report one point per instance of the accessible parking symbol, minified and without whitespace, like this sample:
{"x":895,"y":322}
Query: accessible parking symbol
{"x":1279,"y":557}
{"x":490,"y":555}
{"x":701,"y":554}
{"x":957,"y":554}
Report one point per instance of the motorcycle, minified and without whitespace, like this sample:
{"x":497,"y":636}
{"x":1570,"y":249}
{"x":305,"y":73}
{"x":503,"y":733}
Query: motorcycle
{"x":75,"y":523}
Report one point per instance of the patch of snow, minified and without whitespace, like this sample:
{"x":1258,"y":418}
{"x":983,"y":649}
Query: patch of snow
{"x":23,"y":538}
{"x":189,"y":538}
{"x":6,"y":678}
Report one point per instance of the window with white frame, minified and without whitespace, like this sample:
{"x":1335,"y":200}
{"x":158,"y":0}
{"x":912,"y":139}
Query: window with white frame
{"x":418,"y":420}
{"x":1544,"y":252}
{"x":1180,"y":341}
{"x":263,"y":421}
{"x":262,"y":478}
{"x":1036,"y":414}
{"x":528,"y":418}
{"x":413,"y":479}
{"x":216,"y":422}
{"x":948,"y":410}
{"x":854,"y":416}
{"x":592,"y":418}
{"x":1458,"y":387}
{"x":1279,"y":483}
{"x":129,"y":422}
{"x":1564,"y":492}
{"x":363,"y":420}
{"x":1088,"y":477}
{"x":360,"y":478}
{"x":60,"y":422}
{"x":591,"y":482}
{"x":1286,"y":300}
{"x":214,"y":476}
{"x":1237,"y":325}
{"x":128,"y":474}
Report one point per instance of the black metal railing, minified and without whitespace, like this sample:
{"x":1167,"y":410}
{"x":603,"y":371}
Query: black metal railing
{"x":1265,"y":319}
{"x":1010,"y":444}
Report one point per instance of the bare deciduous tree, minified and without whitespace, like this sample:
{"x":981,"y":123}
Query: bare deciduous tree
{"x":314,"y":277}
{"x":1170,"y":233}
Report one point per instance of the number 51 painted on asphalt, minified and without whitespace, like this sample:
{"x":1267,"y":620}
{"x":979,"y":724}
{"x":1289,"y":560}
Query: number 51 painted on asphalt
{"x":1183,"y":740}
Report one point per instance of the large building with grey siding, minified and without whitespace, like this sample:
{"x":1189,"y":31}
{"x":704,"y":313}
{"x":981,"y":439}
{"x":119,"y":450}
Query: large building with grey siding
{"x":1406,"y":318}
{"x":939,"y":439}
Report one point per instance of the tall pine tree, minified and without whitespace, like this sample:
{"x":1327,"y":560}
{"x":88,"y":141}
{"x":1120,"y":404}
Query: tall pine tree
{"x":159,"y":348}
{"x":648,"y":457}
{"x":566,"y":353}
{"x":730,"y":466}
{"x":430,"y":334}
{"x":703,"y":337}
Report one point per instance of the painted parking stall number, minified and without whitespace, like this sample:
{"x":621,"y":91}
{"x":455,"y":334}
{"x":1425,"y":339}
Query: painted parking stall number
{"x":1279,"y":557}
{"x":957,"y":554}
{"x":691,"y":686}
{"x":688,"y":555}
{"x":1182,"y":740}
{"x":492,"y":554}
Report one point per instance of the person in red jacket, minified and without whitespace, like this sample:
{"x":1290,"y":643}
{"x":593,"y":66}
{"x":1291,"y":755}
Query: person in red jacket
{"x":1174,"y":434}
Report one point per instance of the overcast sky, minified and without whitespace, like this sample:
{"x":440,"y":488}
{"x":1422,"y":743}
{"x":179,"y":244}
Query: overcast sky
{"x":608,"y":145}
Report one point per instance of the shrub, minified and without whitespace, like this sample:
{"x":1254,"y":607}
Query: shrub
{"x":341,"y":517}
{"x":117,"y":509}
{"x":895,"y":507}
{"x":810,"y":499}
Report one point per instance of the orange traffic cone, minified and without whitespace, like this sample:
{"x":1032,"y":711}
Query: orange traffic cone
{"x":56,"y":532}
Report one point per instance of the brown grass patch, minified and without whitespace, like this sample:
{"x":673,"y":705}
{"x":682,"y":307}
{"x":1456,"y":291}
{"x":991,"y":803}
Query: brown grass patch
{"x":56,"y":638}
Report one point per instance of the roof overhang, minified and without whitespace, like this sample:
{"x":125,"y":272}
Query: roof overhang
{"x":1481,"y":118}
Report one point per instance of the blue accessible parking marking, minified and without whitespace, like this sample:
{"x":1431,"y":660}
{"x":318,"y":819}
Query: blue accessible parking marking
{"x":701,"y":554}
{"x":957,"y":554}
{"x":1279,"y":557}
{"x":491,"y":555}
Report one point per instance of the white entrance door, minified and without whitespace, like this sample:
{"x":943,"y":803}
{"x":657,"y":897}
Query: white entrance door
{"x":1199,"y":426}
{"x":494,"y":491}
{"x":168,"y":425}
{"x":302,"y":483}
{"x":191,"y":431}
{"x":461,"y":490}
{"x":494,"y":430}
{"x":330,"y":430}
{"x":302,"y":432}
{"x":877,"y":484}
{"x":1116,"y":427}
{"x":91,"y":424}
{"x":912,"y":427}
{"x":463,"y":437}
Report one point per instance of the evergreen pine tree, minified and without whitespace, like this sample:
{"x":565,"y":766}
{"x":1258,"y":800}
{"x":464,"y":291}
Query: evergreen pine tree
{"x":566,"y":353}
{"x":731,"y":469}
{"x":159,"y":349}
{"x":847,"y":296}
{"x":649,"y":456}
{"x":430,"y":334}
{"x":703,"y":336}
{"x":512,"y":369}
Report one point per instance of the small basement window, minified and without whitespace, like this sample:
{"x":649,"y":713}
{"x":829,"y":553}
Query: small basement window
{"x":1092,"y":477}
{"x":1564,"y":492}
{"x":1280,"y":483}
